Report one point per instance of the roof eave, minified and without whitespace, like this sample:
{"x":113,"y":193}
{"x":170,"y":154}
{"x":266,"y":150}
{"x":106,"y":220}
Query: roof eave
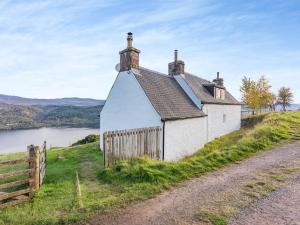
{"x":182,"y":118}
{"x":221,"y":103}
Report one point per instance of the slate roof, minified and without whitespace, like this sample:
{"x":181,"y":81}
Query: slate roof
{"x":166,"y":95}
{"x":169,"y":99}
{"x":197,"y":84}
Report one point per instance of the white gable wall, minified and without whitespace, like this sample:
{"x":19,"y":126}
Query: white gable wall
{"x":127,"y":107}
{"x":216,"y":126}
{"x":184,"y":137}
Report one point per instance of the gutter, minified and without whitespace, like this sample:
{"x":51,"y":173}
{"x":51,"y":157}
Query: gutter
{"x":182,"y":118}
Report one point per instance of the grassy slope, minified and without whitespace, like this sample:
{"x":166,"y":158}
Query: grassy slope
{"x":56,"y":202}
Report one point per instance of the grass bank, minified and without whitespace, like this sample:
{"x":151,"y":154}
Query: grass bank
{"x":57,"y":203}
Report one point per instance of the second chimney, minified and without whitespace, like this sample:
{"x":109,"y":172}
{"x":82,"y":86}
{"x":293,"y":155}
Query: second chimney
{"x":176,"y":67}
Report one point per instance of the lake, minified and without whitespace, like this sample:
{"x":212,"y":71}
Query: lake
{"x":18,"y":140}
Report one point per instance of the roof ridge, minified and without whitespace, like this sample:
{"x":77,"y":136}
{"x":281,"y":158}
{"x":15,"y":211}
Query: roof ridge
{"x":154,"y":71}
{"x":190,"y":74}
{"x":166,"y":75}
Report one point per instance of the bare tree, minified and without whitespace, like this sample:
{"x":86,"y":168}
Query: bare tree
{"x":285,"y":97}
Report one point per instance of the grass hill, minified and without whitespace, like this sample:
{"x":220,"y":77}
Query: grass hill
{"x":25,"y":116}
{"x":15,"y":100}
{"x":57,"y":202}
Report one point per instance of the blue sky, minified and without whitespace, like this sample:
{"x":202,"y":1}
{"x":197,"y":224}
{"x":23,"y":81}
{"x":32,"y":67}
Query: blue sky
{"x":65,"y":48}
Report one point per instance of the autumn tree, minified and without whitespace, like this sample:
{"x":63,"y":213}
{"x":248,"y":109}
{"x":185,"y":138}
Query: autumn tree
{"x":256,"y":95}
{"x":285,"y":97}
{"x":249,"y":93}
{"x":264,"y":92}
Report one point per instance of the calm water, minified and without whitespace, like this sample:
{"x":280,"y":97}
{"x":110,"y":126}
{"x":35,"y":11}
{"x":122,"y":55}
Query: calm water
{"x":18,"y":140}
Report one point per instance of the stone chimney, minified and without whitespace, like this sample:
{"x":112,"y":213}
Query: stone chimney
{"x":219,"y":81}
{"x":129,"y":57}
{"x":176,"y":67}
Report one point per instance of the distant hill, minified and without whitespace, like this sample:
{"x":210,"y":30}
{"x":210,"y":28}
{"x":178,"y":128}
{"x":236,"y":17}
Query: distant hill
{"x":25,"y":116}
{"x":15,"y":100}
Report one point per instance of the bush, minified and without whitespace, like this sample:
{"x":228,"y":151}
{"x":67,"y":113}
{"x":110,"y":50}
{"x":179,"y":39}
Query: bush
{"x":88,"y":139}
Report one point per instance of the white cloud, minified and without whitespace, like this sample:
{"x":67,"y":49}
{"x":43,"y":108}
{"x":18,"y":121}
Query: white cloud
{"x":69,"y":48}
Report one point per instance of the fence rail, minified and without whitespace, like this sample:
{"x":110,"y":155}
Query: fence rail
{"x":25,"y":176}
{"x":128,"y":144}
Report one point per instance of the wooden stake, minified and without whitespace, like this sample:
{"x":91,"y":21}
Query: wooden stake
{"x":34,"y":155}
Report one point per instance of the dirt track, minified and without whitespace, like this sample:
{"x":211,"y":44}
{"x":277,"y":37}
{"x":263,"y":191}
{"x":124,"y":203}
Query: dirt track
{"x":181,"y":205}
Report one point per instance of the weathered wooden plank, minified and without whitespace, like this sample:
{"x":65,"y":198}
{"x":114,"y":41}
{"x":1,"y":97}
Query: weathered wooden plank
{"x":105,"y":149}
{"x":117,"y":147}
{"x":14,"y":194}
{"x":121,"y":146}
{"x":14,"y":202}
{"x":15,"y":173}
{"x":158,"y":144}
{"x":15,"y":183}
{"x":128,"y":144}
{"x":13,"y":162}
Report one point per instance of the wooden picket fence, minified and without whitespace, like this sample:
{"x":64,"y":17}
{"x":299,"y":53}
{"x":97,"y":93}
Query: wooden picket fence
{"x":128,"y":144}
{"x":22,"y":177}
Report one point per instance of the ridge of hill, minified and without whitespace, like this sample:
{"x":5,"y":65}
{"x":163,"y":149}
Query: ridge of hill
{"x":74,"y":101}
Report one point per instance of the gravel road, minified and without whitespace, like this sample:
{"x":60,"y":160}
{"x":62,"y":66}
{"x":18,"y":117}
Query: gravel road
{"x":280,"y":207}
{"x":180,"y":205}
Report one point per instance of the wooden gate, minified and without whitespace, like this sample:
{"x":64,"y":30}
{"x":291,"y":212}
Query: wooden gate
{"x":128,"y":144}
{"x":20,"y":178}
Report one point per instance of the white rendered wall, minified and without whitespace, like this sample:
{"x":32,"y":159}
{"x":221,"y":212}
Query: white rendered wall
{"x":127,"y":107}
{"x":184,"y":137}
{"x":215,"y":124}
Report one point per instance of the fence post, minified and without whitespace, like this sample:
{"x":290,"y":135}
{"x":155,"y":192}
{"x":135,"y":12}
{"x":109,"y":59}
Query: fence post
{"x":45,"y":152}
{"x":34,"y":156}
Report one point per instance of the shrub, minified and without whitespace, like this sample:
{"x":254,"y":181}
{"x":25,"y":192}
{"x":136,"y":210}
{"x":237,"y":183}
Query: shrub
{"x":88,"y":139}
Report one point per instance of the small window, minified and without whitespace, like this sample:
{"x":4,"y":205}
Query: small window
{"x":224,"y":118}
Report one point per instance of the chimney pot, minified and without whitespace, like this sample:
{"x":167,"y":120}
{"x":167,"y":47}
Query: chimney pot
{"x":129,"y":40}
{"x":175,"y":55}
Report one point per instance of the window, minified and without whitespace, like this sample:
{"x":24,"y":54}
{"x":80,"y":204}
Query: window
{"x":224,"y":118}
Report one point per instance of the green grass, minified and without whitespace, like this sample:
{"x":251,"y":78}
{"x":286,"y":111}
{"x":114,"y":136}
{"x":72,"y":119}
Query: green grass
{"x":214,"y":218}
{"x":57,"y":203}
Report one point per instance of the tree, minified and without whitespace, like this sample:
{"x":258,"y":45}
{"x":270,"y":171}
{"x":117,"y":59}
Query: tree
{"x":256,"y":95}
{"x":273,"y":102}
{"x":285,"y":97}
{"x":265,"y":95}
{"x":249,"y":93}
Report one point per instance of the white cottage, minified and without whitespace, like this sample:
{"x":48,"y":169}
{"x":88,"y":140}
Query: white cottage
{"x":190,"y":110}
